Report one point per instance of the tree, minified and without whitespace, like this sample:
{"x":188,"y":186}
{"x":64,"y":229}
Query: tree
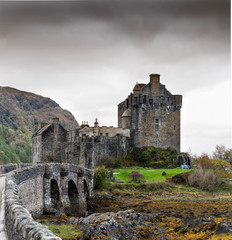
{"x":222,"y":153}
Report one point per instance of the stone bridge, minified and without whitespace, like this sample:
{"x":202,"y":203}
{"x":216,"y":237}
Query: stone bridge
{"x":34,"y":189}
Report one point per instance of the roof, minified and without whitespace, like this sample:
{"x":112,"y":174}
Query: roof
{"x":43,"y":129}
{"x":127,"y":113}
{"x":139,"y":86}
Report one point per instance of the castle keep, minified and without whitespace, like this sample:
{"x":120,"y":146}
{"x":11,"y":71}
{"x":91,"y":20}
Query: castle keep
{"x":150,"y":116}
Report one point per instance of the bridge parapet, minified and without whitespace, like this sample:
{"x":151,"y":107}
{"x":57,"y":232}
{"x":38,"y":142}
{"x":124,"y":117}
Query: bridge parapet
{"x":39,"y":188}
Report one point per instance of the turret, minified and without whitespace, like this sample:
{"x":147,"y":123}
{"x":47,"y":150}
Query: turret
{"x":126,"y":119}
{"x":96,"y":123}
{"x":178,"y":101}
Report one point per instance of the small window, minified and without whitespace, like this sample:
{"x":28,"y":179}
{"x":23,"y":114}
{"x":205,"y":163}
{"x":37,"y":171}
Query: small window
{"x":127,"y":103}
{"x":144,"y":99}
{"x":83,"y":135}
{"x":100,"y":134}
{"x":174,"y":127}
{"x":107,"y":134}
{"x":156,"y":127}
{"x":157,"y":121}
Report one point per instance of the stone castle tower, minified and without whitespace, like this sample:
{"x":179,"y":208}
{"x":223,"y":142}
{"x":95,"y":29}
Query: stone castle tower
{"x":152,"y":114}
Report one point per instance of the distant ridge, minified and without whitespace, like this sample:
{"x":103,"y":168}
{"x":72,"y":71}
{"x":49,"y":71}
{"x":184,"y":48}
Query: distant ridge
{"x":18,"y":112}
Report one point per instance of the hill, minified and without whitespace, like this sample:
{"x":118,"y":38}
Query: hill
{"x":18,"y":112}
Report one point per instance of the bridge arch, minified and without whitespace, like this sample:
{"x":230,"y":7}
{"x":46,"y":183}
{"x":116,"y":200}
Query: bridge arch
{"x":73,"y":197}
{"x":55,"y":193}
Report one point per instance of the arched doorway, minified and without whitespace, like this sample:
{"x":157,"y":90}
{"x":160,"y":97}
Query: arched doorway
{"x":73,"y":197}
{"x":55,"y":193}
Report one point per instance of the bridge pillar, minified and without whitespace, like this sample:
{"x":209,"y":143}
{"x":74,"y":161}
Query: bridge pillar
{"x":82,"y":198}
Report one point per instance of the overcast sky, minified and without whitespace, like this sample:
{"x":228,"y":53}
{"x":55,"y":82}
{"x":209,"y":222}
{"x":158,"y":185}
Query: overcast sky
{"x":88,"y":55}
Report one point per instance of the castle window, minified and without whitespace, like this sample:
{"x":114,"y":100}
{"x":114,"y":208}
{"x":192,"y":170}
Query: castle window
{"x":100,"y":134}
{"x":156,"y":124}
{"x":150,"y":101}
{"x":144,"y":99}
{"x":107,"y":134}
{"x":174,"y":127}
{"x":127,"y":103}
{"x":83,"y":135}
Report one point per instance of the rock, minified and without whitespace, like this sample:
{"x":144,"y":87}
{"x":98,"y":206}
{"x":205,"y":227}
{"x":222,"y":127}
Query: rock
{"x":224,"y":227}
{"x":164,"y":173}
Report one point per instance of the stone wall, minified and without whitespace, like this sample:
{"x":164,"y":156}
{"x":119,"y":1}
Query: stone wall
{"x":18,"y":220}
{"x":92,"y":149}
{"x":13,"y":166}
{"x":29,"y":192}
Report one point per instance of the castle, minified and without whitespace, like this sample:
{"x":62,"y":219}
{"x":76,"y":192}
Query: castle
{"x":150,"y":116}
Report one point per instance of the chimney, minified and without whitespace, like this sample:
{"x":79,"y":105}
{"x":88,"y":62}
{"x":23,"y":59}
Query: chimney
{"x":36,"y":126}
{"x":155,"y":84}
{"x":55,"y":122}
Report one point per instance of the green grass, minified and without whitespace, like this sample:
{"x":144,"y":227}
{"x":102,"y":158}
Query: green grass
{"x":150,"y":174}
{"x":65,"y":231}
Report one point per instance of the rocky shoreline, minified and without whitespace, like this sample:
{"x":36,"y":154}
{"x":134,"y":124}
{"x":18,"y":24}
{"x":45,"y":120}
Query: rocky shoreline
{"x":123,"y":216}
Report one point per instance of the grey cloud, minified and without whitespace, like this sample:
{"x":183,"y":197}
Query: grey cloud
{"x":87,"y":55}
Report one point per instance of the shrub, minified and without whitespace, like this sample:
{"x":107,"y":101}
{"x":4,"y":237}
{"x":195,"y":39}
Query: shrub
{"x":156,"y":185}
{"x":204,"y":162}
{"x":101,"y":174}
{"x":204,"y":179}
{"x":136,"y":177}
{"x":181,"y":178}
{"x":106,"y":161}
{"x":221,"y":167}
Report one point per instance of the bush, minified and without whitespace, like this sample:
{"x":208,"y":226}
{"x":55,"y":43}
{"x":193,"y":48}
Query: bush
{"x":181,"y":178}
{"x":155,"y":186}
{"x":204,"y":162}
{"x":204,"y":179}
{"x":136,"y":177}
{"x":107,"y":161}
{"x":101,"y":174}
{"x":221,"y":167}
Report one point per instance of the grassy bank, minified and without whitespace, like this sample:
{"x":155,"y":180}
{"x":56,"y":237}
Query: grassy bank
{"x":150,"y":174}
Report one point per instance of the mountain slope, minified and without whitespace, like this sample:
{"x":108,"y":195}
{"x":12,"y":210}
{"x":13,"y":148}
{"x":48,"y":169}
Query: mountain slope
{"x":18,"y":112}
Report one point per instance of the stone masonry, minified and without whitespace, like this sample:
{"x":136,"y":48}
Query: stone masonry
{"x":33,"y":190}
{"x":150,"y":116}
